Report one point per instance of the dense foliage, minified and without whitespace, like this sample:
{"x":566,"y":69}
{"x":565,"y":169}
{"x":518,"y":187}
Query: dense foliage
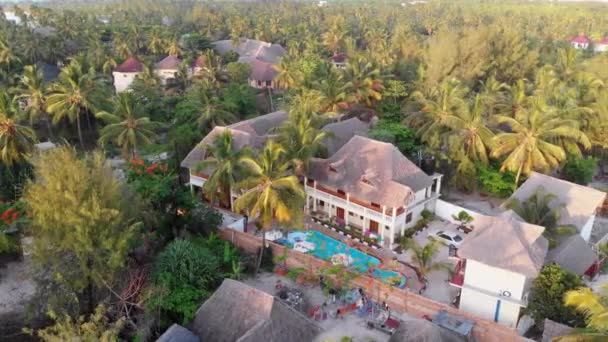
{"x":547,"y":294}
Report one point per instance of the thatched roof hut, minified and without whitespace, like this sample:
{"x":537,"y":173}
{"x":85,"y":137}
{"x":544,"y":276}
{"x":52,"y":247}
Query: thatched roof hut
{"x":238,"y":312}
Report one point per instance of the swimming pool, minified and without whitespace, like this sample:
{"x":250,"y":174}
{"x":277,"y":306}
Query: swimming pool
{"x":329,"y":249}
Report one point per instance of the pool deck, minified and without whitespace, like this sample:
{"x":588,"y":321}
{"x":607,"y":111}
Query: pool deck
{"x":386,"y":256}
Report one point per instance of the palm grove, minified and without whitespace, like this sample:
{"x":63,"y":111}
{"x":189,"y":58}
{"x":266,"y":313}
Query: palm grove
{"x":490,"y":92}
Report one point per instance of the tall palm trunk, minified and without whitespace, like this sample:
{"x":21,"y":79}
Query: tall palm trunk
{"x":517,"y":177}
{"x":79,"y":131}
{"x":49,"y":127}
{"x":257,"y":267}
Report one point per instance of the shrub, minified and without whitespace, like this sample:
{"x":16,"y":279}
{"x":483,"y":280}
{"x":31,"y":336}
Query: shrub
{"x":185,"y":274}
{"x":494,"y":182}
{"x":580,"y":170}
{"x":427,"y":215}
{"x":547,"y":295}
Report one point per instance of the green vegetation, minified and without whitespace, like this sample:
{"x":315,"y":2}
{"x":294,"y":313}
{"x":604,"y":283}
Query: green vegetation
{"x":547,"y":293}
{"x":483,"y":92}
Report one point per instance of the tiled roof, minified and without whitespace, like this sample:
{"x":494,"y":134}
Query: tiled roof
{"x":256,"y":49}
{"x":132,"y":64}
{"x":371,"y":170}
{"x":169,"y":63}
{"x":580,"y":39}
{"x":603,"y":41}
{"x":342,"y":131}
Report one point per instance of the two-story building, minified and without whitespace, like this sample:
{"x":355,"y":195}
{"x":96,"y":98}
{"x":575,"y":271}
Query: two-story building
{"x":166,"y":70}
{"x":252,"y":133}
{"x":261,"y":56}
{"x":125,"y":73}
{"x":370,"y":186}
{"x":577,"y":204}
{"x":498,"y":261}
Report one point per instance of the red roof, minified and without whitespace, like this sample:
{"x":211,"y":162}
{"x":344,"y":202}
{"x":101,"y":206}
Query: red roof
{"x":200,"y":62}
{"x":603,"y":41}
{"x":132,"y":64}
{"x":339,"y":58}
{"x":581,"y":39}
{"x":169,"y":63}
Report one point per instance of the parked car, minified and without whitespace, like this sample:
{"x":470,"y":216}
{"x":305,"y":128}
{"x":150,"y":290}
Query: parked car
{"x":451,"y":238}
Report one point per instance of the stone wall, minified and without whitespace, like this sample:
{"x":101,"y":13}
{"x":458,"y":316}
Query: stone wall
{"x":399,"y":299}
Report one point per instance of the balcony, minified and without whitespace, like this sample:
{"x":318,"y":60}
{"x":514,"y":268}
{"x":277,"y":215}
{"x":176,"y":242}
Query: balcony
{"x":457,"y":277}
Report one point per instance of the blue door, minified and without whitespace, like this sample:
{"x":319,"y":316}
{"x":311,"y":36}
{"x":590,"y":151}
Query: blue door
{"x":497,"y":311}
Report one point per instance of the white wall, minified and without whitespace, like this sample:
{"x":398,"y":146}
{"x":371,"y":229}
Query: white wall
{"x":445,"y":211}
{"x":122,"y":80}
{"x":580,"y":45}
{"x":600,"y":48}
{"x":165,"y":75}
{"x":587,"y":228}
{"x":481,"y":291}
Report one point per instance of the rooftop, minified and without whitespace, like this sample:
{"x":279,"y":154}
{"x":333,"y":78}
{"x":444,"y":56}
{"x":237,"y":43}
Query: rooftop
{"x":579,"y":202}
{"x":506,"y":242}
{"x":253,"y":132}
{"x":169,"y":63}
{"x":263,"y":51}
{"x":342,"y":131}
{"x":239,"y":312}
{"x":131,"y":64}
{"x":573,"y":254}
{"x":371,"y":170}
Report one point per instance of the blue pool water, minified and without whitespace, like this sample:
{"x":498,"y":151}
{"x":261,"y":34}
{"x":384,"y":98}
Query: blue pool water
{"x":326,"y":247}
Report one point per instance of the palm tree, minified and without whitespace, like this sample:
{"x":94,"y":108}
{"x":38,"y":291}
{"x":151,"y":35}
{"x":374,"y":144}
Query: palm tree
{"x":333,"y":97}
{"x":16,"y":141}
{"x":535,"y":139}
{"x":363,"y":82}
{"x":7,"y":55}
{"x":515,"y":100}
{"x":595,"y":309}
{"x":226,"y":161}
{"x":422,"y":257}
{"x":77,"y":92}
{"x":127,"y":127}
{"x":288,"y":75}
{"x":270,"y":191}
{"x":538,"y":209}
{"x":212,"y":110}
{"x":333,"y":39}
{"x":156,"y":44}
{"x":301,"y":141}
{"x":33,"y":91}
{"x":468,"y":131}
{"x":173,"y":48}
{"x":441,"y":104}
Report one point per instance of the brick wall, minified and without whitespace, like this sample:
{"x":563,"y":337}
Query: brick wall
{"x":399,"y":299}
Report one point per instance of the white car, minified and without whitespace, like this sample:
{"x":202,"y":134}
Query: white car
{"x":447,"y":237}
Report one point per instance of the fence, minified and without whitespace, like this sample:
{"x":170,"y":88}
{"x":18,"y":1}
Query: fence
{"x":399,"y":299}
{"x":445,"y":210}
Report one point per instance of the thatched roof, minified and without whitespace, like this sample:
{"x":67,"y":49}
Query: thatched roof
{"x":262,"y":71}
{"x":371,"y":170}
{"x":342,"y":132}
{"x":249,"y":49}
{"x":177,"y":333}
{"x":238,"y":312}
{"x":253,"y":133}
{"x":169,"y":63}
{"x":573,"y":254}
{"x":506,"y":242}
{"x":421,"y":330}
{"x":579,"y":202}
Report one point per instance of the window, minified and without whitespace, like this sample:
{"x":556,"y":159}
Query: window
{"x":408,"y":218}
{"x":259,"y":83}
{"x":268,"y":83}
{"x":360,"y":217}
{"x":350,"y":213}
{"x":341,"y":192}
{"x":387,"y":227}
{"x":321,"y":203}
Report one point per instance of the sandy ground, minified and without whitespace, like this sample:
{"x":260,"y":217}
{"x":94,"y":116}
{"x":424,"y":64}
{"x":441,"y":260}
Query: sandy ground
{"x":334,"y":329}
{"x":16,"y":288}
